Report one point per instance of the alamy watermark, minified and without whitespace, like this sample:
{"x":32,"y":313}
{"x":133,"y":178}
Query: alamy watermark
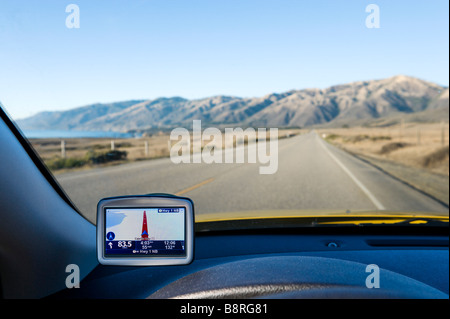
{"x":211,"y":146}
{"x":373,"y":19}
{"x":73,"y":19}
{"x":73,"y":279}
{"x":373,"y":279}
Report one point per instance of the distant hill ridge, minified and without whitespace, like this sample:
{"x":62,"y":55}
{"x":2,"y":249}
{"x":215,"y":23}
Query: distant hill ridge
{"x":351,"y":103}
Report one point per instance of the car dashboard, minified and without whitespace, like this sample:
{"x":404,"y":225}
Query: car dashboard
{"x":293,"y":263}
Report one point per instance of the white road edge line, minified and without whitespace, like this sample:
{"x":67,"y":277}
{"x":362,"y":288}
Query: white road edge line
{"x":374,"y":200}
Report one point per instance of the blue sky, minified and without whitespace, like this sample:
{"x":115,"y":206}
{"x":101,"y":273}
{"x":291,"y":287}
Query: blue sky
{"x":141,"y":49}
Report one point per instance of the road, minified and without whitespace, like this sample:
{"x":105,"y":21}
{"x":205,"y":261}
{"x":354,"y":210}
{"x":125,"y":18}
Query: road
{"x":312,"y":175}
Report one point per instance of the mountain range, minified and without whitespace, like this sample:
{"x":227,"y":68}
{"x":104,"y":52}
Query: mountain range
{"x":376,"y":102}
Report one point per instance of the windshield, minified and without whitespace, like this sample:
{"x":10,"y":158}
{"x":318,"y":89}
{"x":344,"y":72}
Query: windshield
{"x":256,"y":110}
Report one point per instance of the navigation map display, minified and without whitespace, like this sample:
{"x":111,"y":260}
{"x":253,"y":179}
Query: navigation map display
{"x":145,"y":232}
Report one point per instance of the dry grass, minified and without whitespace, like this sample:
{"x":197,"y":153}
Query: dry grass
{"x":50,"y":149}
{"x":422,"y":146}
{"x":76,"y":148}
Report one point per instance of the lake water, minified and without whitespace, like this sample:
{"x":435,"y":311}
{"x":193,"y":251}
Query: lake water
{"x":74,"y":134}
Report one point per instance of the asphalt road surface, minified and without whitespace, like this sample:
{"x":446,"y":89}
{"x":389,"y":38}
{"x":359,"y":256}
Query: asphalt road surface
{"x":312,"y":175}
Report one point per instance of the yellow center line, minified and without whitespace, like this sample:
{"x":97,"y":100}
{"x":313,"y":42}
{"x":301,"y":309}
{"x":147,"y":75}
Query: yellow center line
{"x":187,"y":190}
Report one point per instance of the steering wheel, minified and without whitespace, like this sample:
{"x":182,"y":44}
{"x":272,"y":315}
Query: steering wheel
{"x":293,"y":277}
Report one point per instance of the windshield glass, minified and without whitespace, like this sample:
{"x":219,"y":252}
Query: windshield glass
{"x":253,"y":109}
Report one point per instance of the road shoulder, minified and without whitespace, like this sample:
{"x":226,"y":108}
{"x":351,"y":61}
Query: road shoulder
{"x":433,"y":185}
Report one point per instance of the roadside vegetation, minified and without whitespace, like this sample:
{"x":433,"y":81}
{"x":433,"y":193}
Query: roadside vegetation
{"x":91,"y":158}
{"x":417,"y":154}
{"x":423,"y":146}
{"x":85,"y":153}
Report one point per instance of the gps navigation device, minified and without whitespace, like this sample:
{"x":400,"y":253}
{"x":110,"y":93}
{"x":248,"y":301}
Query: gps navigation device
{"x":147,"y":230}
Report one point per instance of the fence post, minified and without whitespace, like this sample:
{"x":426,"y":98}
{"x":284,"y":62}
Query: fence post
{"x":63,"y":149}
{"x":146,"y":148}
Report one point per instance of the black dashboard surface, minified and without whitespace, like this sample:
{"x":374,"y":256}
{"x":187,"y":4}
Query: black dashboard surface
{"x":423,"y":259}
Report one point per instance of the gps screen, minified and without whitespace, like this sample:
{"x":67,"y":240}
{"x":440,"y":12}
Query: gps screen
{"x":145,"y":232}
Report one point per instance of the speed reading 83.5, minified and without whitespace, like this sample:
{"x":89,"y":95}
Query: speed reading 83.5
{"x":124,"y":244}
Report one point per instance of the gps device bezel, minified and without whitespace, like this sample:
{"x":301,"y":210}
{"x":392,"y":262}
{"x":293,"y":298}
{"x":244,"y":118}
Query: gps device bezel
{"x":147,"y":202}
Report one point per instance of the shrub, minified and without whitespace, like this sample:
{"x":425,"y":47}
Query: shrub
{"x":391,"y":147}
{"x":436,"y":157}
{"x":60,"y":163}
{"x":105,"y":157}
{"x":91,"y":157}
{"x":380,"y":138}
{"x":332,"y":137}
